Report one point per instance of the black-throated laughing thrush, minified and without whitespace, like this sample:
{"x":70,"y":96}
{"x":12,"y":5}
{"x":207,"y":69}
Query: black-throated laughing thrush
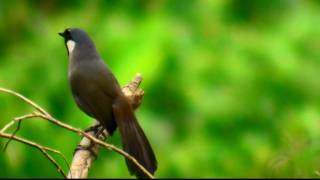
{"x":97,"y":92}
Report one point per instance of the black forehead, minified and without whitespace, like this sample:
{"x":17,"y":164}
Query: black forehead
{"x":67,"y":30}
{"x":67,"y":34}
{"x":77,"y":35}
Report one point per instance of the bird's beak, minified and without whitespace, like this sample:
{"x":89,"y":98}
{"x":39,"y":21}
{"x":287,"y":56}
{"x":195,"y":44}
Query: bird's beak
{"x":61,"y":34}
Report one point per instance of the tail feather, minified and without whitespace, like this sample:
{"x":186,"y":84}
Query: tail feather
{"x":134,"y":140}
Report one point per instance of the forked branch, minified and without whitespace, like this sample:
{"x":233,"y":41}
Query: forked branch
{"x":135,"y":97}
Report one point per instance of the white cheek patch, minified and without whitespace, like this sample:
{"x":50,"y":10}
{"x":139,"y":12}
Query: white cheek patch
{"x":70,"y":44}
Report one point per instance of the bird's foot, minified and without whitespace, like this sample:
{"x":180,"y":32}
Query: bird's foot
{"x":99,"y":131}
{"x":96,"y":130}
{"x":93,"y":128}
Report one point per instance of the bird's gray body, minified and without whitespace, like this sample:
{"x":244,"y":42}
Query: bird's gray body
{"x":97,"y":93}
{"x":95,"y":86}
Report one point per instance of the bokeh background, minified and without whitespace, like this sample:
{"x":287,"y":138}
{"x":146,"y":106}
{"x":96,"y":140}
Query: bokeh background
{"x":232,"y":87}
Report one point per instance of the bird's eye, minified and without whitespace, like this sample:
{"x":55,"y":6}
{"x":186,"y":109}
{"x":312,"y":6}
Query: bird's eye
{"x":68,"y":34}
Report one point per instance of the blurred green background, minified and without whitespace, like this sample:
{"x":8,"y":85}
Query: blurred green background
{"x":232,"y":87}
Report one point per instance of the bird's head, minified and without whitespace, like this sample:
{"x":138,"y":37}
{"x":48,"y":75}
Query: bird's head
{"x":76,"y":38}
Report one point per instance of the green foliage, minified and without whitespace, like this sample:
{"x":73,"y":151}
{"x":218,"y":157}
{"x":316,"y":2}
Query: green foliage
{"x":231,"y":87}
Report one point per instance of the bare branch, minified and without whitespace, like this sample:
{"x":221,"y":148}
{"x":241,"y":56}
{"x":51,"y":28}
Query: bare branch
{"x":43,"y":150}
{"x":17,"y":119}
{"x":37,"y":107}
{"x":131,"y":91}
{"x":8,"y":125}
{"x":95,"y":140}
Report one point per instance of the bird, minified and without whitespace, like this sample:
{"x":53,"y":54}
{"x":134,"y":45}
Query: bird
{"x":97,"y":93}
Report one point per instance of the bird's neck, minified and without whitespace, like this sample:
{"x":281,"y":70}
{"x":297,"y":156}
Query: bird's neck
{"x":83,"y":53}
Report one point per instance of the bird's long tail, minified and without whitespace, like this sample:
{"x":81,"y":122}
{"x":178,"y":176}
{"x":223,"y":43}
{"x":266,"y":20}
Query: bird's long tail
{"x":134,"y":141}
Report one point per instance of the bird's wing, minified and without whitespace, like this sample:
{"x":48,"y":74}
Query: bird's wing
{"x":91,"y":98}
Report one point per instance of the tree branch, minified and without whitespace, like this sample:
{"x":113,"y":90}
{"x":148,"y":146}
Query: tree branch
{"x":43,"y":150}
{"x":135,"y":97}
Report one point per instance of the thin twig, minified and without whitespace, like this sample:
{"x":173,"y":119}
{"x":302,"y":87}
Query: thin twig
{"x":97,"y":141}
{"x":33,"y":104}
{"x":54,"y":162}
{"x":7,"y":126}
{"x":17,"y":119}
{"x":45,"y":115}
{"x":43,"y":149}
{"x":13,"y":134}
